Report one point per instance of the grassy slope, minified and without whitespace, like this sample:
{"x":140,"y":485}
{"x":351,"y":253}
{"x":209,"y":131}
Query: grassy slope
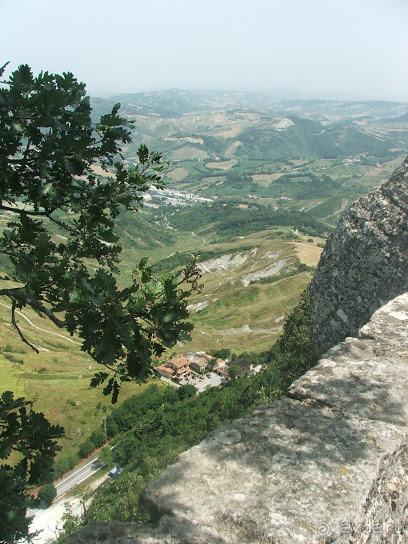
{"x":247,"y":316}
{"x":243,"y":317}
{"x":240,"y":316}
{"x":57,"y":378}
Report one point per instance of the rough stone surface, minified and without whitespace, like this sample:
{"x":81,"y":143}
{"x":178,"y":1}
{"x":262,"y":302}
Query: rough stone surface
{"x":364,"y":263}
{"x":329,"y":464}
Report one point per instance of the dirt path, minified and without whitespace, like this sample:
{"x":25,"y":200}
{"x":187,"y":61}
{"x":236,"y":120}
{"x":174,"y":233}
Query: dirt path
{"x":203,"y":239}
{"x":41,"y":329}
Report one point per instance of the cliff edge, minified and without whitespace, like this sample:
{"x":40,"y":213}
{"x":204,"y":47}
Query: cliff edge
{"x":327,"y":464}
{"x":364,"y":263}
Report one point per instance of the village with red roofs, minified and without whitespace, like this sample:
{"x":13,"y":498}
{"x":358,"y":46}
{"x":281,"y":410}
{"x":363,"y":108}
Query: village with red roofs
{"x":203,"y":370}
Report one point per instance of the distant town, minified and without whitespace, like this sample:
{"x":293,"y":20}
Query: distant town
{"x":154,"y":197}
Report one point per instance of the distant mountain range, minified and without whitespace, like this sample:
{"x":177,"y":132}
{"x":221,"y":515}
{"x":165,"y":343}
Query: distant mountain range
{"x":176,"y":102}
{"x":223,"y":125}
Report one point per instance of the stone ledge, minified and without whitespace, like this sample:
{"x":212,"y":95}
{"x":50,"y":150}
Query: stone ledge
{"x":327,"y":465}
{"x":365,"y":376}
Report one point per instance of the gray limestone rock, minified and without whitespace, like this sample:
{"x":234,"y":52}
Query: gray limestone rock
{"x":329,"y":464}
{"x":364,"y":263}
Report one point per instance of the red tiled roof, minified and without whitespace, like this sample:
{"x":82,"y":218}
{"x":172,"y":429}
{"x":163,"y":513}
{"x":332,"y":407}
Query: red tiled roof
{"x":178,"y":362}
{"x":165,"y":368}
{"x":200,"y":361}
{"x":205,"y":355}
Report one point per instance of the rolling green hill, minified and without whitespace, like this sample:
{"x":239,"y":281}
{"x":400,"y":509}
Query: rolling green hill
{"x":297,"y":154}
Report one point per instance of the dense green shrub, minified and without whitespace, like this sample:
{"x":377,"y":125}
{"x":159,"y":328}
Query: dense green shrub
{"x":47,"y":494}
{"x":295,"y":353}
{"x":186,"y":391}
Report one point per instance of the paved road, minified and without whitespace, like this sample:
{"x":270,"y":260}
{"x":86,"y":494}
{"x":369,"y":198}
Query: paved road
{"x":79,"y":474}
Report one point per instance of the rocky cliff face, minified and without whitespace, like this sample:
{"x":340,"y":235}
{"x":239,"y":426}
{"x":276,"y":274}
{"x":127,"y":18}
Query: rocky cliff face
{"x":364,"y":263}
{"x":327,"y":464}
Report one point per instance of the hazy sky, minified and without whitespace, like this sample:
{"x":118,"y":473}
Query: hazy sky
{"x":337,"y":48}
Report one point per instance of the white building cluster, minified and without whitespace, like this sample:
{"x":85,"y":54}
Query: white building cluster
{"x":170,"y":196}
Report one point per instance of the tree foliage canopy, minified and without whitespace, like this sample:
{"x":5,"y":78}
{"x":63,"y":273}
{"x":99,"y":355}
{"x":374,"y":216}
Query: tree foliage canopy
{"x":64,"y":183}
{"x":47,"y":494}
{"x":60,"y":241}
{"x":28,"y":438}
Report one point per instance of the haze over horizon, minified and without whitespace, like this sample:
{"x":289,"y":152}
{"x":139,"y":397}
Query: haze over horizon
{"x":350,"y":49}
